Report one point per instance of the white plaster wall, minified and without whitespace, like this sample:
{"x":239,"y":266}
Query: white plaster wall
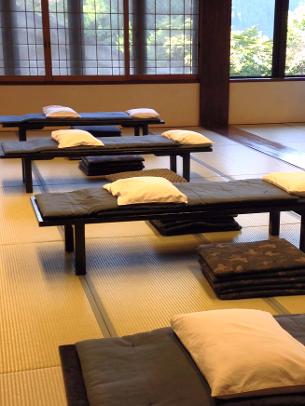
{"x":267,"y":102}
{"x":177,"y":103}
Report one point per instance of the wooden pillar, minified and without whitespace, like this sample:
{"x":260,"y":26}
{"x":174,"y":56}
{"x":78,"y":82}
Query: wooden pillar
{"x":139,"y":36}
{"x":214,"y":62}
{"x":280,"y":38}
{"x":75,"y":36}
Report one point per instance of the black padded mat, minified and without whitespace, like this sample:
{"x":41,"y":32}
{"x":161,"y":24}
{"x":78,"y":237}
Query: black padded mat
{"x":153,"y":368}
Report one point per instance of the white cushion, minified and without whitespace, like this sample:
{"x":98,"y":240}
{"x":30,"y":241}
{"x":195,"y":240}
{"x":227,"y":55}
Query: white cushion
{"x":242,"y":352}
{"x":187,"y":137}
{"x":143,"y":113}
{"x":292,"y":182}
{"x":74,"y":138}
{"x":145,"y":189}
{"x":54,"y":111}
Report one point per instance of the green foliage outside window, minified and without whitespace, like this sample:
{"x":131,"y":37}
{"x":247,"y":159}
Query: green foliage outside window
{"x":295,"y":54}
{"x":251,"y":53}
{"x":251,"y":50}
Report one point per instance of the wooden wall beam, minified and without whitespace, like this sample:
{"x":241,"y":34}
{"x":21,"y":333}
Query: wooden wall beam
{"x":214,"y":62}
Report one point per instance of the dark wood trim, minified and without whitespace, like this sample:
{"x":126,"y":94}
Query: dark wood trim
{"x":280,"y":38}
{"x":196,"y":37}
{"x":46,"y":39}
{"x":269,"y":79}
{"x":99,"y":80}
{"x":126,"y":38}
{"x":9,"y":40}
{"x":214,"y":62}
{"x":75,"y":36}
{"x":138,"y":79}
{"x":139,"y":36}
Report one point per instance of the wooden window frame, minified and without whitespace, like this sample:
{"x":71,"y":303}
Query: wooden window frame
{"x":77,"y":78}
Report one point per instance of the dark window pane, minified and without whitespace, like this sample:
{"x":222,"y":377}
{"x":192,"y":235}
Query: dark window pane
{"x":84,"y":33}
{"x":21,"y":38}
{"x":164,"y":36}
{"x":295,"y":53}
{"x":252,"y":37}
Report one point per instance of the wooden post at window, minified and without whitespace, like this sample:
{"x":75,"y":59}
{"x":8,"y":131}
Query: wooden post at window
{"x":126,"y":38}
{"x":195,"y":37}
{"x":280,"y":38}
{"x":214,"y":62}
{"x":9,"y":39}
{"x":75,"y":9}
{"x":46,"y":39}
{"x":139,"y":36}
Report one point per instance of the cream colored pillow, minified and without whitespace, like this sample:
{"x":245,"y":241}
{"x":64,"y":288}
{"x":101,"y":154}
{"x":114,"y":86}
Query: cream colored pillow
{"x":292,"y":182}
{"x":187,"y":137}
{"x":74,"y":138}
{"x":143,"y":113}
{"x":145,"y":189}
{"x":54,"y":111}
{"x":242,"y":351}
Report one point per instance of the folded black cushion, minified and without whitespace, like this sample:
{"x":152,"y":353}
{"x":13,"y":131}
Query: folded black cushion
{"x":250,"y":294}
{"x":101,"y":130}
{"x":254,"y":269}
{"x":107,"y":159}
{"x":200,"y":225}
{"x":235,"y":260}
{"x":106,"y":169}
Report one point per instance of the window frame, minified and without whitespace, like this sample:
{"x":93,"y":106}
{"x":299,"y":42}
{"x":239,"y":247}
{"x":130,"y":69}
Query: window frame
{"x":280,"y":27}
{"x":278,"y":58}
{"x":127,"y":78}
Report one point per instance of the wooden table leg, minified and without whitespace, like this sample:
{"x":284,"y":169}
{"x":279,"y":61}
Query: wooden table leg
{"x":69,"y":238}
{"x":22,"y":134}
{"x":80,"y":249}
{"x":23,"y":170}
{"x":186,"y":166}
{"x":145,"y":129}
{"x":137,"y":131}
{"x":274,"y":223}
{"x":173,"y":162}
{"x":27,"y":174}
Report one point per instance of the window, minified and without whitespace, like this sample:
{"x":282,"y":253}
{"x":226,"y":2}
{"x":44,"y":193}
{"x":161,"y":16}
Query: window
{"x":252,"y":38}
{"x":165,"y":36}
{"x":295,"y":51}
{"x":21,"y":38}
{"x":87,"y":37}
{"x":91,"y":39}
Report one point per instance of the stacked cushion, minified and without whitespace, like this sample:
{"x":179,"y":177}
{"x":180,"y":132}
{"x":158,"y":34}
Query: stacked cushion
{"x":199,"y":225}
{"x":102,"y":165}
{"x":254,"y":269}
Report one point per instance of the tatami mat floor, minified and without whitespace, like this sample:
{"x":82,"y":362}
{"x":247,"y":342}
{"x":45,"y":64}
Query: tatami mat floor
{"x":136,"y":279}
